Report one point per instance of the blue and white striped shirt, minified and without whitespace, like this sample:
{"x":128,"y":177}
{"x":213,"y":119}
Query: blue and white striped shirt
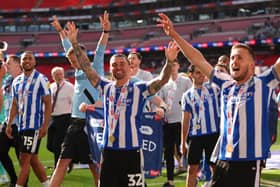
{"x":29,"y":99}
{"x":203,"y":104}
{"x":244,"y":118}
{"x":127,"y":134}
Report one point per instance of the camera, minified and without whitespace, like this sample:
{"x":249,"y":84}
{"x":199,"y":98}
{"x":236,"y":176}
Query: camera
{"x":3,"y":46}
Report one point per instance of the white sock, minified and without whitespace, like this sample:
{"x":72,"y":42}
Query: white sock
{"x":46,"y":183}
{"x":17,"y":185}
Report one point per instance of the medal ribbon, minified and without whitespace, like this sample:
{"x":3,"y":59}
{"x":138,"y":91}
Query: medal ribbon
{"x":200,"y":100}
{"x":23,"y":92}
{"x":232,"y":117}
{"x":115,"y":112}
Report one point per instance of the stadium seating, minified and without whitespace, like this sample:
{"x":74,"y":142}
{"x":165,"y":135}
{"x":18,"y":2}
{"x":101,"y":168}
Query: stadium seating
{"x":58,"y":4}
{"x":17,"y":4}
{"x":201,"y":31}
{"x":31,"y":4}
{"x":221,"y":36}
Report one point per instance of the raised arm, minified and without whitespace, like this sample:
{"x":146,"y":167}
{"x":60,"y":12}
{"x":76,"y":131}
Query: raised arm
{"x":191,"y":53}
{"x":171,"y":53}
{"x":98,"y":60}
{"x":83,"y":60}
{"x":66,"y":44}
{"x":106,"y":26}
{"x":57,"y":26}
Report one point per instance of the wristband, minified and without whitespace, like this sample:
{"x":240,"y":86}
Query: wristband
{"x":163,"y":108}
{"x":105,"y":31}
{"x":170,"y":61}
{"x":75,"y":43}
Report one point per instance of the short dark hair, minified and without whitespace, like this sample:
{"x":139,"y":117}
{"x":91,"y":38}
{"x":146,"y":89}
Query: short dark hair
{"x":245,"y":46}
{"x":223,"y":66}
{"x":139,"y":56}
{"x":15,"y":58}
{"x":223,"y":59}
{"x":120,"y":55}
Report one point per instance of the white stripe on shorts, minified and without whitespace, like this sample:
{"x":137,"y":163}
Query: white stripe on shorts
{"x":35,"y":141}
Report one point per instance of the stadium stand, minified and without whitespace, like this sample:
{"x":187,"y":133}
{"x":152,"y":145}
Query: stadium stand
{"x":58,"y":4}
{"x":17,"y":4}
{"x":197,"y":31}
{"x":25,"y":25}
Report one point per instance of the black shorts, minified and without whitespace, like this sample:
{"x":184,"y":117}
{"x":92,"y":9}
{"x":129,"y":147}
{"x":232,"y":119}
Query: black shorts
{"x":75,"y":145}
{"x":57,"y":131}
{"x":198,"y":144}
{"x":5,"y":142}
{"x":29,"y":141}
{"x":122,"y":168}
{"x":241,"y":174}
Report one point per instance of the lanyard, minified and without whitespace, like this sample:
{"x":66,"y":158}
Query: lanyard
{"x":232,"y":117}
{"x":23,"y":92}
{"x":200,"y":99}
{"x":114,"y":112}
{"x":58,"y":88}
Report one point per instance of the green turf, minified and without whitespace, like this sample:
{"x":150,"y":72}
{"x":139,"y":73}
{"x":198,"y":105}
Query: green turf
{"x":83,"y":177}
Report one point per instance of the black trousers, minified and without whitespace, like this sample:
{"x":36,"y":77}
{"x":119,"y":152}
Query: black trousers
{"x":56,"y":133}
{"x":172,"y":139}
{"x":6,"y":144}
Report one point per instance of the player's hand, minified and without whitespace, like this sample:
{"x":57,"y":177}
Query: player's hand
{"x":83,"y":107}
{"x":159,"y":112}
{"x":105,"y":22}
{"x":43,"y":131}
{"x":56,"y":24}
{"x":72,"y":32}
{"x":9,"y":132}
{"x":171,"y":52}
{"x":166,"y":24}
{"x":184,"y":148}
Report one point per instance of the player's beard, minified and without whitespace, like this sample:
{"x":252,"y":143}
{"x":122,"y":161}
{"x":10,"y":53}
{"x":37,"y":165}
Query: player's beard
{"x":25,"y":69}
{"x":242,"y":75}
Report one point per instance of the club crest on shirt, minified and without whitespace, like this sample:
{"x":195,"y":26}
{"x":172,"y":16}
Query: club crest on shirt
{"x":123,"y":103}
{"x":205,"y":99}
{"x":243,"y":98}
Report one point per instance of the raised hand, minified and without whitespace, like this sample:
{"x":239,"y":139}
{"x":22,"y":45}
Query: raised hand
{"x":166,"y":24}
{"x":56,"y":24}
{"x":72,"y":32}
{"x":171,"y":52}
{"x":105,"y":22}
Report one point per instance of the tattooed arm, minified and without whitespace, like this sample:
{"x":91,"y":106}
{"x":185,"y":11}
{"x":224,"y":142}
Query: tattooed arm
{"x":191,"y":53}
{"x":83,"y":60}
{"x":171,"y":53}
